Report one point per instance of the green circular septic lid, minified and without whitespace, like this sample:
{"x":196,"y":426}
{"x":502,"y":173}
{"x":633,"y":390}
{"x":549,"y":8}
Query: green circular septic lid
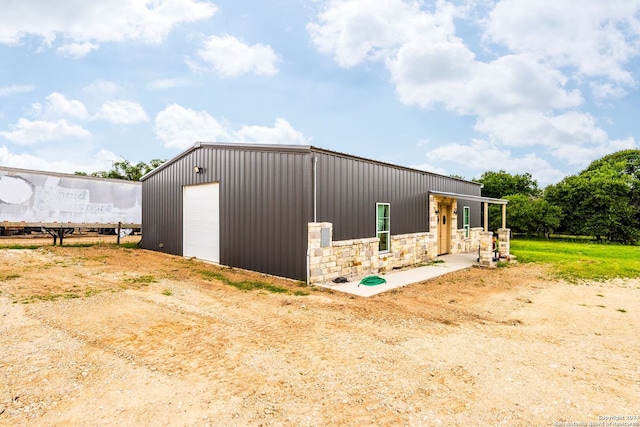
{"x":372,"y":281}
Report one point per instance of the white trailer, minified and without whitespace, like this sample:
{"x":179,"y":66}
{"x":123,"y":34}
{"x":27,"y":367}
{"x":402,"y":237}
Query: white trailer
{"x":60,"y":203}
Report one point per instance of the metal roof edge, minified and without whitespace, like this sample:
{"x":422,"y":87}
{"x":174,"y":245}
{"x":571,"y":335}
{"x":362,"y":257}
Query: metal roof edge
{"x":291,"y":148}
{"x":232,"y":145}
{"x":170,"y":161}
{"x":470,"y":197}
{"x":351,"y":156}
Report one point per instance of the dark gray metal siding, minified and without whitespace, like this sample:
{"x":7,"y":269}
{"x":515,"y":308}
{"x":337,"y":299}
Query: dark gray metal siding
{"x":349,"y":188}
{"x":266,"y":201}
{"x":264,"y":206}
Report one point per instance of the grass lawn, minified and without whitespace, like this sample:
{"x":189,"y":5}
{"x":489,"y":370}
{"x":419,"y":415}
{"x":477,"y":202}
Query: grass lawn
{"x":580,"y":261}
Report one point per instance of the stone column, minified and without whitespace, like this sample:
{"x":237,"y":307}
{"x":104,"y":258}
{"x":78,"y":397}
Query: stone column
{"x":316,"y":254}
{"x":504,"y":239}
{"x":486,"y":249}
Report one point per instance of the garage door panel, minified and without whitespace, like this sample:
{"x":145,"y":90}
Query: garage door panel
{"x":201,"y":222}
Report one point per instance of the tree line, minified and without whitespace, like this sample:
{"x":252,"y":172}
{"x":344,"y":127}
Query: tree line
{"x":602,"y":201}
{"x":124,"y":169}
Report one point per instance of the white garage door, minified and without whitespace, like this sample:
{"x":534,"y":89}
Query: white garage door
{"x":201,"y":222}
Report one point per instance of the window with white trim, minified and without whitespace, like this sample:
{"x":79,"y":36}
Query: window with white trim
{"x":466,"y":216}
{"x":382,"y":226}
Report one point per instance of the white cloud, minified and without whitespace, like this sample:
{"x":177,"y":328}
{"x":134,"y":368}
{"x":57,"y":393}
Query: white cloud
{"x":602,"y":91}
{"x":103,"y":88}
{"x":102,"y":160}
{"x":229,"y":57}
{"x":355,"y":30}
{"x":281,"y":133}
{"x":83,"y":21}
{"x":77,"y":50}
{"x":581,"y":155}
{"x":181,"y":127}
{"x":161,"y":84}
{"x":481,"y":155}
{"x":597,"y":38}
{"x":429,"y":64}
{"x":122,"y":112}
{"x":117,"y":111}
{"x":26,"y":132}
{"x":528,"y":94}
{"x":450,"y":76}
{"x":14,"y":89}
{"x":534,"y":128}
{"x":59,"y":106}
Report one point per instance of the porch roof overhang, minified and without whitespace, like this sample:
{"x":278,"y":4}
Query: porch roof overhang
{"x":489,"y":200}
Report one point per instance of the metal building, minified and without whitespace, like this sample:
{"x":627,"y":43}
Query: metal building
{"x":250,"y":206}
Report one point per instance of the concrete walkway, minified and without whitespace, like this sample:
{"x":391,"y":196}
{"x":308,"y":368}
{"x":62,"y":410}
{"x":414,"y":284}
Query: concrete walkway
{"x":397,"y":279}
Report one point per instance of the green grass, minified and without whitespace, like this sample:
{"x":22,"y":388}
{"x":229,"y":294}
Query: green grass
{"x":574,"y":261}
{"x":248,"y":285}
{"x":20,"y":246}
{"x":167,"y":292}
{"x":50,"y":297}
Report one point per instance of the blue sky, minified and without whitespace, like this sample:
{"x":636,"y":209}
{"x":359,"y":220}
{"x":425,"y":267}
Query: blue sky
{"x":456,"y":87}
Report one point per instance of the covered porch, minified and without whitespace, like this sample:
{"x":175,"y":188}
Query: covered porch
{"x":443,"y":219}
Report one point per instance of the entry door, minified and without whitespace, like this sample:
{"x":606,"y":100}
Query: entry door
{"x":201,"y":221}
{"x":444,"y":229}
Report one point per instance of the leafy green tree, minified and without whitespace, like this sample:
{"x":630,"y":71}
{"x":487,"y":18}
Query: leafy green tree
{"x":603,"y":200}
{"x":123,"y":169}
{"x":501,"y":184}
{"x":532,"y":215}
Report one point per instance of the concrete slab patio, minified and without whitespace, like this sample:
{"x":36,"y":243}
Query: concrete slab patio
{"x":397,"y":279}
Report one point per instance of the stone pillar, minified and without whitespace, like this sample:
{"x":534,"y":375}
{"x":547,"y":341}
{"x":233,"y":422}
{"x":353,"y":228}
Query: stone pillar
{"x":316,"y":253}
{"x":504,"y":239}
{"x":486,"y":249}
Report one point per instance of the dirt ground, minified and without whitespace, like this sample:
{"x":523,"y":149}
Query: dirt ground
{"x":117,"y":336}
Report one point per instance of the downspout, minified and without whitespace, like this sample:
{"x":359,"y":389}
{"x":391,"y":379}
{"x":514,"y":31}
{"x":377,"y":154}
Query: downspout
{"x":315,"y":213}
{"x":315,"y":189}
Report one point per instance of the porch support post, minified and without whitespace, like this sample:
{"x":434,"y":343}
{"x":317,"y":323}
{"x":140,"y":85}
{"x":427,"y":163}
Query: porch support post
{"x":504,"y":216}
{"x":486,"y":217}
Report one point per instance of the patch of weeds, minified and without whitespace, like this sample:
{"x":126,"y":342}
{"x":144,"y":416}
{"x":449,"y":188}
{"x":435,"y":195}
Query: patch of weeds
{"x":129,"y":245}
{"x":167,"y":292}
{"x":601,"y":306}
{"x":502,"y":264}
{"x":246,"y":285}
{"x":8,"y":276}
{"x":50,"y":297}
{"x":91,"y":292}
{"x":582,"y":305}
{"x":600,"y":295}
{"x":621,"y":310}
{"x":20,"y":246}
{"x":143,"y":280}
{"x":301,"y":293}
